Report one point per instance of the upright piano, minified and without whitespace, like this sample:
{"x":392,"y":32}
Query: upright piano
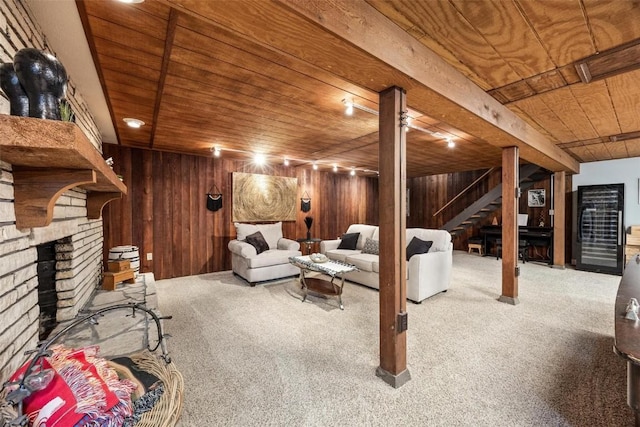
{"x":540,"y":239}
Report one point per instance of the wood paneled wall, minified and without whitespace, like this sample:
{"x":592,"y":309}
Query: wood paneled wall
{"x":165,"y":211}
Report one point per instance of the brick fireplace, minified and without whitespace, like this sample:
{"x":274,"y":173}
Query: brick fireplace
{"x":78,"y":266}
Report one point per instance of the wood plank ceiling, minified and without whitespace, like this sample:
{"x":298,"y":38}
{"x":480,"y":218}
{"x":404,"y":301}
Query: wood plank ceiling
{"x":200,"y":79}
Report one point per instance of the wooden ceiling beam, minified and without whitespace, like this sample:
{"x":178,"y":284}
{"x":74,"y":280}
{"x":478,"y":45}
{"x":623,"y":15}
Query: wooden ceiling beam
{"x":459,"y":99}
{"x":168,"y":46}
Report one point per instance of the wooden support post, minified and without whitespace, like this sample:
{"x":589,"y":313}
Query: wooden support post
{"x":559,"y":210}
{"x":510,"y":185}
{"x":393,"y":283}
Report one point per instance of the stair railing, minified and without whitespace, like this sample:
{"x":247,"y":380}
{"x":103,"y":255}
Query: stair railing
{"x":467,"y":188}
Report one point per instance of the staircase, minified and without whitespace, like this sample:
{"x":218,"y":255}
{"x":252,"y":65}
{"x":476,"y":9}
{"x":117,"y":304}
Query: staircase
{"x":491,"y":201}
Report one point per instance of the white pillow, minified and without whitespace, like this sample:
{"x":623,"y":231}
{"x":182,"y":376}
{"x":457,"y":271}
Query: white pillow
{"x":271,"y":232}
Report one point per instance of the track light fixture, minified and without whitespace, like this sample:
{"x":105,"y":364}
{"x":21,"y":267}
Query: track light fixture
{"x":350,"y":105}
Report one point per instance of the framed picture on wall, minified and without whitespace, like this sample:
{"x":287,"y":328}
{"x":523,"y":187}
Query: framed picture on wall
{"x":536,"y":198}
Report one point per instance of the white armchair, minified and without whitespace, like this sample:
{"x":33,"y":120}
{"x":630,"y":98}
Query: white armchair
{"x":270,"y":263}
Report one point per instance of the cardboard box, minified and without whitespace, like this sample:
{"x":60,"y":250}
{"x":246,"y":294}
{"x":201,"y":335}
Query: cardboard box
{"x":635,"y":230}
{"x":120,"y":265}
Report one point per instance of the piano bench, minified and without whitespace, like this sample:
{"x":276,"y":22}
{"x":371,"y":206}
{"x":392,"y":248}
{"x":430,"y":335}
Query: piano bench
{"x":475,"y":246}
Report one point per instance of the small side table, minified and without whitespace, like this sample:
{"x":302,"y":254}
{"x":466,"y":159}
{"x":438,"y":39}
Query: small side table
{"x":308,"y":244}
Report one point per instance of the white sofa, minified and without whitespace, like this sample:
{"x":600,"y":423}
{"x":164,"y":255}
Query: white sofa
{"x":427,"y":274}
{"x":268,"y":265}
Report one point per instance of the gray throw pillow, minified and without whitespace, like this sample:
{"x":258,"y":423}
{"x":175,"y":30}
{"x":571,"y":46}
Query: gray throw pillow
{"x":349,"y":241}
{"x":418,"y":246}
{"x":371,"y":247}
{"x":257,"y":241}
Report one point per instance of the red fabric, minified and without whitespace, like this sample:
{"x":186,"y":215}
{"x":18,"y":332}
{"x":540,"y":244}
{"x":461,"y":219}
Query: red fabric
{"x":77,"y":382}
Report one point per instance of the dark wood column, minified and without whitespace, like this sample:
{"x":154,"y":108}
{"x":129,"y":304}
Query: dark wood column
{"x":559,"y":210}
{"x":393,"y":284}
{"x":510,"y":179}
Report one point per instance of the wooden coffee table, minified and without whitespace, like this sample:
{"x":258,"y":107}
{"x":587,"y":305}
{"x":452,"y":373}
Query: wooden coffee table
{"x":321,"y":286}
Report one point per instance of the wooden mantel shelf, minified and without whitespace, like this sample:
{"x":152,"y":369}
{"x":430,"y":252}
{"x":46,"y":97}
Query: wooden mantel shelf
{"x":49,"y":157}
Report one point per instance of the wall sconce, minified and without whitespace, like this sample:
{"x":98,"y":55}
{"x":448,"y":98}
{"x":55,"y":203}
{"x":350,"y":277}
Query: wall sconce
{"x":450,"y":143}
{"x":286,"y":161}
{"x":335,"y":168}
{"x":216,"y":151}
{"x":315,"y":166}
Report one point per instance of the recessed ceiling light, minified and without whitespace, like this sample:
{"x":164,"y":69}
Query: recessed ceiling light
{"x":134,"y":123}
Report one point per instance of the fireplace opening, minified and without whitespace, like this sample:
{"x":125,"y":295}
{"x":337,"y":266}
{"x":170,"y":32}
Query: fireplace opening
{"x":47,"y":296}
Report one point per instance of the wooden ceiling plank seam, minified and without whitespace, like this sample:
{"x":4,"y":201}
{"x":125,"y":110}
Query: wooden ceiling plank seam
{"x":129,"y":16}
{"x":127,"y":36}
{"x":538,"y":110}
{"x":617,"y":150}
{"x":397,"y":15}
{"x":82,"y":12}
{"x":461,"y":38}
{"x":596,"y":102}
{"x":633,"y":147}
{"x":625,"y":96}
{"x":129,"y":80}
{"x":286,"y":75}
{"x":279,"y":58}
{"x":125,"y":52}
{"x":246,"y":20}
{"x":291,"y":125}
{"x":522,"y":51}
{"x":561,"y":28}
{"x":588,"y":24}
{"x":612,"y":26}
{"x":247,"y":133}
{"x":119,"y":65}
{"x":280,"y":110}
{"x":168,"y":46}
{"x":569,"y":113}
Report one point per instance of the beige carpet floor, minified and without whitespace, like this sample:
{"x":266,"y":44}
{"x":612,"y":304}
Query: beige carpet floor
{"x":260,"y":357}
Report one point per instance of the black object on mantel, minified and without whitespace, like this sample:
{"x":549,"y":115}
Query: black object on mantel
{"x":18,"y":100}
{"x":43,"y":80}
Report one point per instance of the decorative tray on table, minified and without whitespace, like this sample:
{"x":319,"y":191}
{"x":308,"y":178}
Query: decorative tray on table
{"x":318,"y":258}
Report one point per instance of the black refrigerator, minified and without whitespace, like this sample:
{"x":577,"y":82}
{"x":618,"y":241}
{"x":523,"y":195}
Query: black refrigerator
{"x":600,"y":234}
